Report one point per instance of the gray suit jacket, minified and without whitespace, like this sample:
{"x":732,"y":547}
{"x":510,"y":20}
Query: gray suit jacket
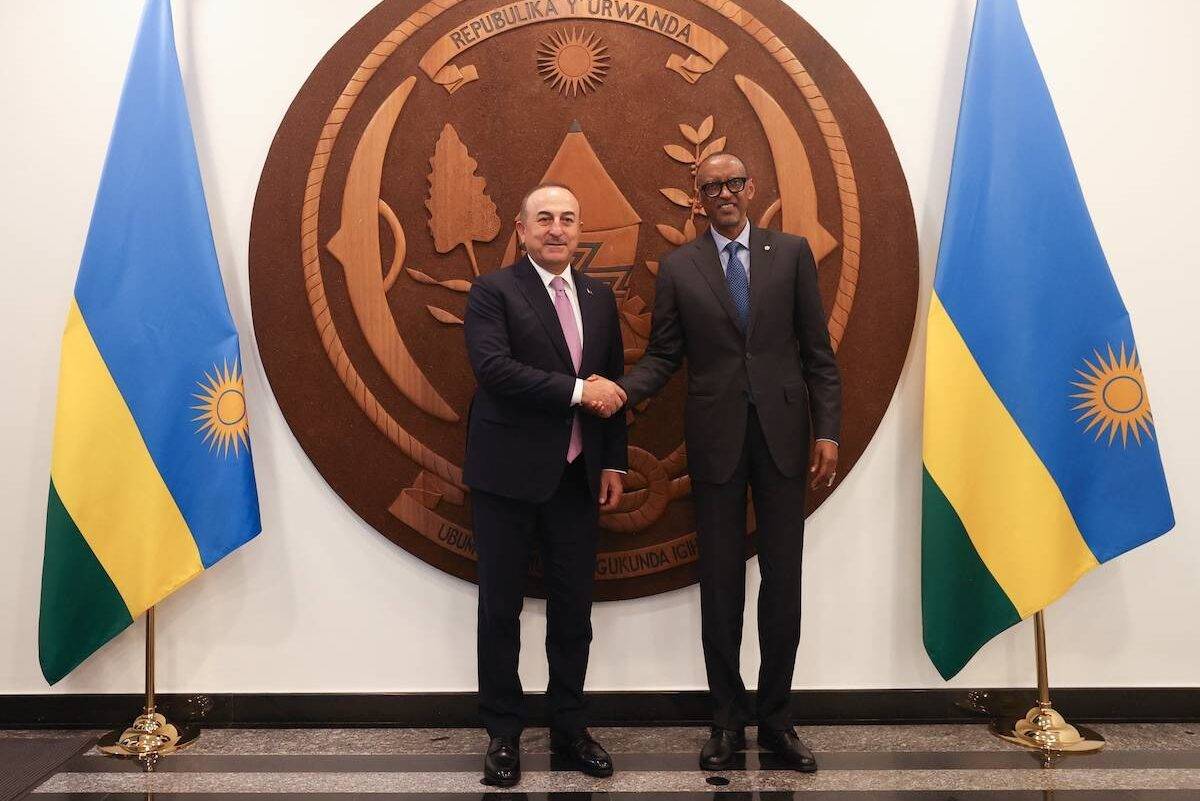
{"x":784,"y":362}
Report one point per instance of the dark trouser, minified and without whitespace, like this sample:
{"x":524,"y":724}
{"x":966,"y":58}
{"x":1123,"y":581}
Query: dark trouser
{"x":507,"y":532}
{"x":721,"y":530}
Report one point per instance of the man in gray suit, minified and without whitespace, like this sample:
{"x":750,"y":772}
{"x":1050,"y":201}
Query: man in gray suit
{"x":742,"y":305}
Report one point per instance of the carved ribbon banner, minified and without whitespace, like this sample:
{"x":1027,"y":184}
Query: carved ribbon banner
{"x":707,"y":47}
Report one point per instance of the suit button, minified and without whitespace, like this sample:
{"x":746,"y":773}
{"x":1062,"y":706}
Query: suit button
{"x":748,"y":357}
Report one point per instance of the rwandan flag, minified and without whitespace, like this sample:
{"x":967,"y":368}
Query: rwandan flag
{"x":151,"y":479}
{"x":1040,"y":455}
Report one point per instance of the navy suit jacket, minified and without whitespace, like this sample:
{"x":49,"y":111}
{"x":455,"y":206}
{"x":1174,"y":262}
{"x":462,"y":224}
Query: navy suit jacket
{"x":520,"y":420}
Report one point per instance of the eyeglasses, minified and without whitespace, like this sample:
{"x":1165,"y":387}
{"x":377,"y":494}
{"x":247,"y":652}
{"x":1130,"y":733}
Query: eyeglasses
{"x":734,"y":185}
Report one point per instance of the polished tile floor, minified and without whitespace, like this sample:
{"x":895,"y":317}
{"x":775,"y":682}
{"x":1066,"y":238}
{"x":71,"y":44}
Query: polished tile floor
{"x":857,"y":763}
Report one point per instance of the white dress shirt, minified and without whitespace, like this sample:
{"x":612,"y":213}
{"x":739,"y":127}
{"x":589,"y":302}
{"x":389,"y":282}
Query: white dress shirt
{"x":743,"y":252}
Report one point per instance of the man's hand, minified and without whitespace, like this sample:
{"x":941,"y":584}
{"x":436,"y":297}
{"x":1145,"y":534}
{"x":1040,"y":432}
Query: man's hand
{"x":611,"y":489}
{"x":823,"y":467}
{"x":601,"y":396}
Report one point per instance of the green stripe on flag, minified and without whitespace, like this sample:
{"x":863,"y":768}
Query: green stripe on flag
{"x":962,"y":605}
{"x":81,"y":608}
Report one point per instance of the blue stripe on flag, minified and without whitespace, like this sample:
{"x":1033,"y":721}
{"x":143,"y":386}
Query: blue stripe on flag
{"x":1022,"y":274}
{"x":150,"y":290}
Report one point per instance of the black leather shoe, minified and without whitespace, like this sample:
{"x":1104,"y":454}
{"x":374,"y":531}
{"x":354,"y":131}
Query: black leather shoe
{"x":583,"y":752}
{"x":502,"y":765}
{"x":787,"y":745}
{"x":720,"y":752}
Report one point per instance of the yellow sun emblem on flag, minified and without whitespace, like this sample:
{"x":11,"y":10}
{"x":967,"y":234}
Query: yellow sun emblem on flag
{"x":1113,"y":397}
{"x":222,"y":410}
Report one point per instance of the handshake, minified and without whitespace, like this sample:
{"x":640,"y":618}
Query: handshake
{"x":602,"y":397}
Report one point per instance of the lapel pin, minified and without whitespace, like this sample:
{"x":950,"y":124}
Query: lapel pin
{"x":766,"y":247}
{"x":588,"y":289}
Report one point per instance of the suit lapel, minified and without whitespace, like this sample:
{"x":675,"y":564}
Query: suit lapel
{"x":530,"y":284}
{"x":761,"y":260}
{"x":589,"y":310}
{"x":708,"y":261}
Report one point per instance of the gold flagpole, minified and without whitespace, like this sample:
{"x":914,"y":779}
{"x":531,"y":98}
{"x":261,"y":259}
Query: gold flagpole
{"x":1043,"y":728}
{"x":149,"y":661}
{"x":150,"y":736}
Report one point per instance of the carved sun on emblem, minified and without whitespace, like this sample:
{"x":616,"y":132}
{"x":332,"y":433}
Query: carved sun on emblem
{"x":573,"y":62}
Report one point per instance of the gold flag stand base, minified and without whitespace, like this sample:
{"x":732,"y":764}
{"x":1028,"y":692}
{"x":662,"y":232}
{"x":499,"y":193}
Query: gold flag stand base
{"x":1043,"y":729}
{"x":150,"y":736}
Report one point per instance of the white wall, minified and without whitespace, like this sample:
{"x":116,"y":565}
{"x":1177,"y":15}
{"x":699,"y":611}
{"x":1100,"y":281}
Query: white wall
{"x":320,"y":602}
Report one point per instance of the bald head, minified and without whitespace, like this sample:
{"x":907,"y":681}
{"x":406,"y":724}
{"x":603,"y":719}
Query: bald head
{"x":720,"y":158}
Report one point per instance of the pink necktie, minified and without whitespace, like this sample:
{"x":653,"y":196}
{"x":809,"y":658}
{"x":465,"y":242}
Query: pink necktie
{"x":566,"y":319}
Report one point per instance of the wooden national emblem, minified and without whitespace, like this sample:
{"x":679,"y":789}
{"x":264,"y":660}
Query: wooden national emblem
{"x":394,"y":180}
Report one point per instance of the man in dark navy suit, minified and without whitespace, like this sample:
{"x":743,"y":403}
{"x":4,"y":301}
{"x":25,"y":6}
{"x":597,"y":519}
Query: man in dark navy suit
{"x":540,"y":469}
{"x":741,"y":305}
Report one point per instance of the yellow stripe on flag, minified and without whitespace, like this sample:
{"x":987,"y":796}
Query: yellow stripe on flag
{"x":1010,"y":506}
{"x":110,"y":485}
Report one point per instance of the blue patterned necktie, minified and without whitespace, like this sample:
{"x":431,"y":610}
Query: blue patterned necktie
{"x":739,"y":284}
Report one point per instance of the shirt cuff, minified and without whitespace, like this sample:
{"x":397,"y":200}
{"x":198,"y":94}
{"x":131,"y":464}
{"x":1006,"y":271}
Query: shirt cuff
{"x":614,"y":470}
{"x":577,"y":395}
{"x":827,"y":439}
